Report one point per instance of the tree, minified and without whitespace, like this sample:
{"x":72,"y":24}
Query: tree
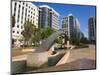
{"x":37,"y":37}
{"x":59,"y":40}
{"x":46,"y":32}
{"x":84,"y":40}
{"x":41,"y":34}
{"x":74,"y":40}
{"x":13,"y":21}
{"x":28,"y":33}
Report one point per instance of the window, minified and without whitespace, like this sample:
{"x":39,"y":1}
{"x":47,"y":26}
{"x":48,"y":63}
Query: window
{"x":15,"y":9}
{"x":17,"y":26}
{"x":21,"y":27}
{"x":13,"y":31}
{"x":18,"y":13}
{"x":34,"y":13}
{"x":17,"y":32}
{"x":23,"y":3}
{"x":29,"y":11}
{"x":22,"y":15}
{"x":28,"y":15}
{"x":29,"y":6}
{"x":26,"y":5}
{"x":22,"y":8}
{"x":25,"y":13}
{"x":22,"y":32}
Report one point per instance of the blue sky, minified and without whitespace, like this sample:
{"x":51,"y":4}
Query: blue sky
{"x":82,"y":12}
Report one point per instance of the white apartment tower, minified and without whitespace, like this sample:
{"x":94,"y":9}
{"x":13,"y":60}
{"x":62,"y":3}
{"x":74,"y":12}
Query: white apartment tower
{"x":22,"y":11}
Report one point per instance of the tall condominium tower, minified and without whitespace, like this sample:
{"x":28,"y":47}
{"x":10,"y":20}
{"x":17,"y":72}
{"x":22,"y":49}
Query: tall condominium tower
{"x":72,"y":26}
{"x":48,"y":17}
{"x":22,"y":11}
{"x":92,"y":29}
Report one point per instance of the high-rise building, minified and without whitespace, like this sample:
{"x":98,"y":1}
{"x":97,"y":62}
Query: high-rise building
{"x":48,"y":17}
{"x":22,"y":11}
{"x":77,"y":29}
{"x":92,"y":29}
{"x":72,"y":26}
{"x":81,"y":35}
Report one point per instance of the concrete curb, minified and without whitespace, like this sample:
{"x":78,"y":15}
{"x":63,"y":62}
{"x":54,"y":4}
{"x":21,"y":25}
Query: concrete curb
{"x":64,"y":59}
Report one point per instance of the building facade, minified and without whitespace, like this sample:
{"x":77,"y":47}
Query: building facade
{"x":22,"y":11}
{"x":78,"y":29}
{"x":92,"y":29}
{"x":48,"y":17}
{"x":72,"y":26}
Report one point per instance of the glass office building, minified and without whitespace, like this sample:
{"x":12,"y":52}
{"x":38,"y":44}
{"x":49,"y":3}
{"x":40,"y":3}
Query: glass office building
{"x":48,"y":17}
{"x":92,"y":29}
{"x":72,"y":26}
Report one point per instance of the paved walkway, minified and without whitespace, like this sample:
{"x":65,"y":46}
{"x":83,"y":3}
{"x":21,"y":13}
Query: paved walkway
{"x":78,"y":59}
{"x":76,"y":54}
{"x":21,"y":55}
{"x":19,"y":58}
{"x":84,"y":53}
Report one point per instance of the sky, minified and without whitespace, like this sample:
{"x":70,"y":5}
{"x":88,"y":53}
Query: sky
{"x":81,"y":12}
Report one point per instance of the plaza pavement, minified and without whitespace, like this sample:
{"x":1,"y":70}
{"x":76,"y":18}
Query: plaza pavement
{"x":83,"y":58}
{"x":21,"y":55}
{"x":78,"y":59}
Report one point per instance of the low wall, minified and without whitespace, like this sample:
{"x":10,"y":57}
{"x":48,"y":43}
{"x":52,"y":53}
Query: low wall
{"x":18,"y":67}
{"x":53,"y":60}
{"x":37,"y":60}
{"x":64,"y":59}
